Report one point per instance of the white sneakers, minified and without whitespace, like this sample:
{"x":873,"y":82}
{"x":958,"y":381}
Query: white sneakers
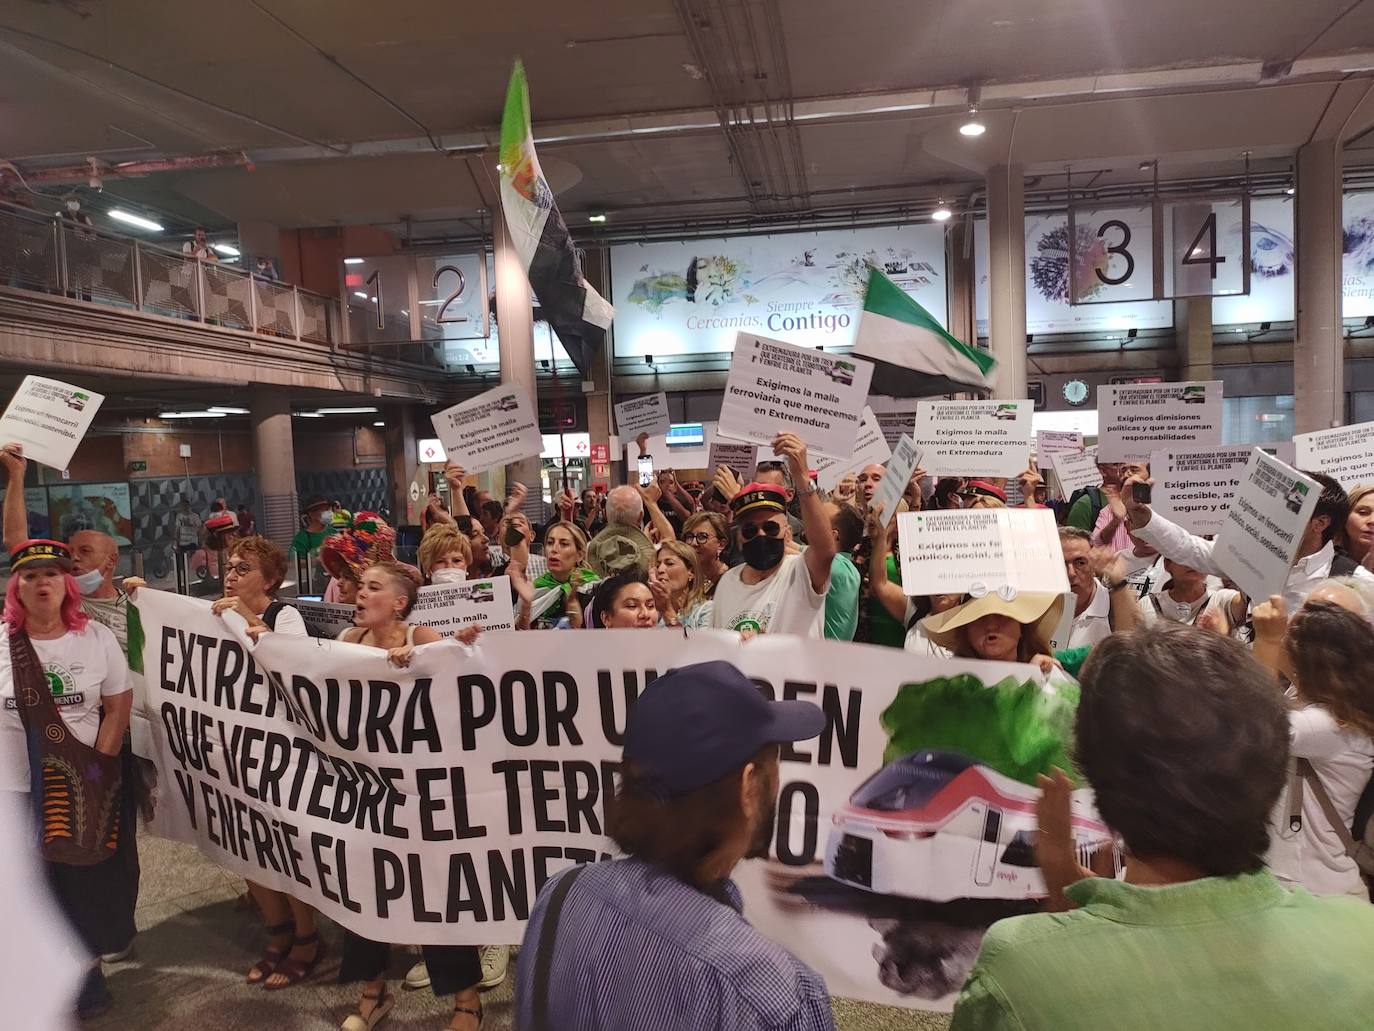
{"x":495,"y":963}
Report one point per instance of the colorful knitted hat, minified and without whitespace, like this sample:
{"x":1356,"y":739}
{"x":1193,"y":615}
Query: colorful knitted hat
{"x":347,"y":553}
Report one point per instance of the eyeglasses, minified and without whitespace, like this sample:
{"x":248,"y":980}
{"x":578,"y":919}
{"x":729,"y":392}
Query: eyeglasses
{"x":240,"y":569}
{"x":751,"y":530}
{"x":697,"y":538}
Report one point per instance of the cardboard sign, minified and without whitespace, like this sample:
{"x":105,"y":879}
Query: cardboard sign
{"x":445,"y":607}
{"x":643,"y":415}
{"x":492,"y":429}
{"x":906,"y":456}
{"x":1076,"y":471}
{"x":1194,"y":487}
{"x":1008,"y":550}
{"x":49,"y":418}
{"x":1049,"y":443}
{"x":974,"y":438}
{"x":1138,"y":419}
{"x":1264,"y":527}
{"x":1345,"y":453}
{"x":775,"y":387}
{"x":869,"y":449}
{"x":738,"y":458}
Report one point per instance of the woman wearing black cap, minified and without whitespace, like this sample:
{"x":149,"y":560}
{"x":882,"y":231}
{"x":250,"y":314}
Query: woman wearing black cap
{"x":67,"y":754}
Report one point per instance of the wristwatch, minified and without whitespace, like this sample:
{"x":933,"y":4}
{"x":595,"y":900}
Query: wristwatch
{"x":810,"y":488}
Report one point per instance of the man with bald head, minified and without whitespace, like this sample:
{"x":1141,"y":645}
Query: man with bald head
{"x":867,"y":483}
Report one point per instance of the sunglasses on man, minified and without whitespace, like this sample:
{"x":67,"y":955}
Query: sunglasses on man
{"x":751,"y":530}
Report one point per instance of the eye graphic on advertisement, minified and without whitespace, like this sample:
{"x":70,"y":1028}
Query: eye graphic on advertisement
{"x":1271,"y":252}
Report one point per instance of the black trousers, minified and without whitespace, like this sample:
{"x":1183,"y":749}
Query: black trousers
{"x":452,"y":968}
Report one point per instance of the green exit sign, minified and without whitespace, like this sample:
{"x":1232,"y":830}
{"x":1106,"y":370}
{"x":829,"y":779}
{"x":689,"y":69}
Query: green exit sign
{"x":139,"y":466}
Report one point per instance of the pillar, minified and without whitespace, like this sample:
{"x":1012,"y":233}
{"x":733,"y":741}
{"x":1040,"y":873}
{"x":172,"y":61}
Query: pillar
{"x":1007,"y":279}
{"x":599,"y":399}
{"x":402,"y":465}
{"x":1193,"y":334}
{"x":515,"y":317}
{"x":959,"y":249}
{"x":1318,"y":346}
{"x":275,"y":461}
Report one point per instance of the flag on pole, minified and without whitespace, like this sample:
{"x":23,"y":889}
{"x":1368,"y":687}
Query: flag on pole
{"x":577,"y":313}
{"x":914,"y":354}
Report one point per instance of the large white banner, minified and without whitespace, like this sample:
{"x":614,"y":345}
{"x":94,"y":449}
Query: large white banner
{"x":428,"y":805}
{"x":804,"y":288}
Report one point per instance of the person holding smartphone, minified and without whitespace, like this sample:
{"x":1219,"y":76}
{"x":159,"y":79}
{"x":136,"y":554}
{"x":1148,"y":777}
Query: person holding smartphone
{"x":1112,"y":529}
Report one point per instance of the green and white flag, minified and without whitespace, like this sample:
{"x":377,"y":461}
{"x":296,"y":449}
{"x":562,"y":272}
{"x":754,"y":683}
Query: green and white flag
{"x":916,"y":357}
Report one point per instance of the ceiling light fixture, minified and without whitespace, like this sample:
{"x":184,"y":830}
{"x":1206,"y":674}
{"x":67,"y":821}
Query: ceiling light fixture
{"x":942,"y":213}
{"x":379,"y":424}
{"x":190,"y":415}
{"x":353,"y":261}
{"x":973,"y":125}
{"x":598,"y":217}
{"x":308,"y":415}
{"x":227,"y":250}
{"x":135,"y":220}
{"x":1290,"y":191}
{"x":347,"y":411}
{"x":226,"y":410}
{"x":360,"y":295}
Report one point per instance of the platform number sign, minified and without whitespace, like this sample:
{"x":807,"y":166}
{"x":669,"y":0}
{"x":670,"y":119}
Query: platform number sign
{"x":1185,"y":247}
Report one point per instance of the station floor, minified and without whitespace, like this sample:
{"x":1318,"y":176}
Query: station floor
{"x":194,"y":946}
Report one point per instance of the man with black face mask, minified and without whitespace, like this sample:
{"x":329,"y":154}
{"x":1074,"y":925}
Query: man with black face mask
{"x":659,"y":939}
{"x":773,"y":592}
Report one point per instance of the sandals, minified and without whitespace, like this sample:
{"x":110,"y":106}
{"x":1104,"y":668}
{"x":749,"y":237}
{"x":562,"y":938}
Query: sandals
{"x":294,"y":970}
{"x":464,"y":1011}
{"x":383,"y":1003}
{"x":266,"y":966}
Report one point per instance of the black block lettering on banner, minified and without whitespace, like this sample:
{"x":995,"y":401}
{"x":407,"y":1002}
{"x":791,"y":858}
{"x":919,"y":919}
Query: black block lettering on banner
{"x":811,"y":814}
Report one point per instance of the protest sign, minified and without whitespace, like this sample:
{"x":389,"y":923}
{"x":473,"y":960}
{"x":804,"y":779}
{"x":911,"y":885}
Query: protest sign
{"x":738,"y":458}
{"x":1195,"y":486}
{"x":491,"y":429}
{"x":49,"y":418}
{"x":775,"y":387}
{"x":1049,"y":443}
{"x":895,"y":415}
{"x":979,"y":550}
{"x":1345,"y":453}
{"x":445,"y":607}
{"x":1264,"y":526}
{"x":643,"y":415}
{"x":974,"y":438}
{"x":429,"y":804}
{"x":869,"y":449}
{"x":906,"y":456}
{"x":1140,"y":418}
{"x":1074,"y":471}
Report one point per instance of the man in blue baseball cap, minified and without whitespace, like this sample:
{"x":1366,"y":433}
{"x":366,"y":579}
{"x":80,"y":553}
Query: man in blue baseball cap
{"x":658,"y":939}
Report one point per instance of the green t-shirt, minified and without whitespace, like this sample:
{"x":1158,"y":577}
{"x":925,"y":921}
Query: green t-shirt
{"x":882,"y":628}
{"x":307,"y":543}
{"x":842,"y":600}
{"x":1218,"y":954}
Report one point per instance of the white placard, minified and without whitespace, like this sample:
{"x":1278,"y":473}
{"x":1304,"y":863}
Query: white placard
{"x":643,"y":415}
{"x":491,"y":429}
{"x":1138,"y":419}
{"x":775,"y":387}
{"x":1008,"y":550}
{"x":430,"y":449}
{"x":870,"y":448}
{"x":1076,"y":471}
{"x":1049,"y":443}
{"x":739,"y":458}
{"x":49,"y":418}
{"x":974,"y":438}
{"x":445,"y":607}
{"x":906,"y":456}
{"x":1345,"y":453}
{"x":1264,"y":527}
{"x":1195,"y":486}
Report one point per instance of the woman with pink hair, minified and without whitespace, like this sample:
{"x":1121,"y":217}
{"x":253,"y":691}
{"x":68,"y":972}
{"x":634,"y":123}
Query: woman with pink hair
{"x":65,"y":701}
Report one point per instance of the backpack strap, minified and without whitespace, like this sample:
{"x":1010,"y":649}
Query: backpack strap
{"x":543,"y":953}
{"x":1356,"y":850}
{"x":270,"y":614}
{"x":1343,"y":565}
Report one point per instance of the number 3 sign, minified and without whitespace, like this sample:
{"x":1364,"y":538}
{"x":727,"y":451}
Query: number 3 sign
{"x":1185,"y":247}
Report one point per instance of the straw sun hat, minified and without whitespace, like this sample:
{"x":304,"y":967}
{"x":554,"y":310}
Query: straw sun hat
{"x":1042,"y":610}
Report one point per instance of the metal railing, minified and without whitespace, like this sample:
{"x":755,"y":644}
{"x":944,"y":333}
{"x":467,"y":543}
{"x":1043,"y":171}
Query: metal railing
{"x":60,"y":256}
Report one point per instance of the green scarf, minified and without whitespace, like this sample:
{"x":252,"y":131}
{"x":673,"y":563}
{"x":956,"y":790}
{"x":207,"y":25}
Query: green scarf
{"x":582,"y":575}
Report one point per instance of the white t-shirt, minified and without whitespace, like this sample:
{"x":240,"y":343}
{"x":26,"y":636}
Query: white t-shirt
{"x":1093,"y":625}
{"x":1343,"y":758}
{"x":1162,"y":608}
{"x":785,"y":603}
{"x":289,"y":622}
{"x":82,"y":668}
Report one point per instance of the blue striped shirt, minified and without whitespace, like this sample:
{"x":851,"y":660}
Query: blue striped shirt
{"x":636,"y":948}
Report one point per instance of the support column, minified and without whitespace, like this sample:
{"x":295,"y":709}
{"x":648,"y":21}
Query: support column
{"x":275,"y":460}
{"x":959,"y":249}
{"x":1007,"y":278}
{"x":1318,"y":367}
{"x":599,"y":400}
{"x":402,"y":465}
{"x":1193,"y":337}
{"x":515,"y":316}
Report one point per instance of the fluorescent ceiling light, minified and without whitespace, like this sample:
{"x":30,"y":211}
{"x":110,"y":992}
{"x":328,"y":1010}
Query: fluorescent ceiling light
{"x":347,"y":411}
{"x":190,"y":415}
{"x":942,"y":213}
{"x":379,"y":424}
{"x":226,"y":410}
{"x":308,"y":415}
{"x":225,"y":249}
{"x":596,"y":218}
{"x":353,"y":261}
{"x":135,"y":220}
{"x":360,"y":295}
